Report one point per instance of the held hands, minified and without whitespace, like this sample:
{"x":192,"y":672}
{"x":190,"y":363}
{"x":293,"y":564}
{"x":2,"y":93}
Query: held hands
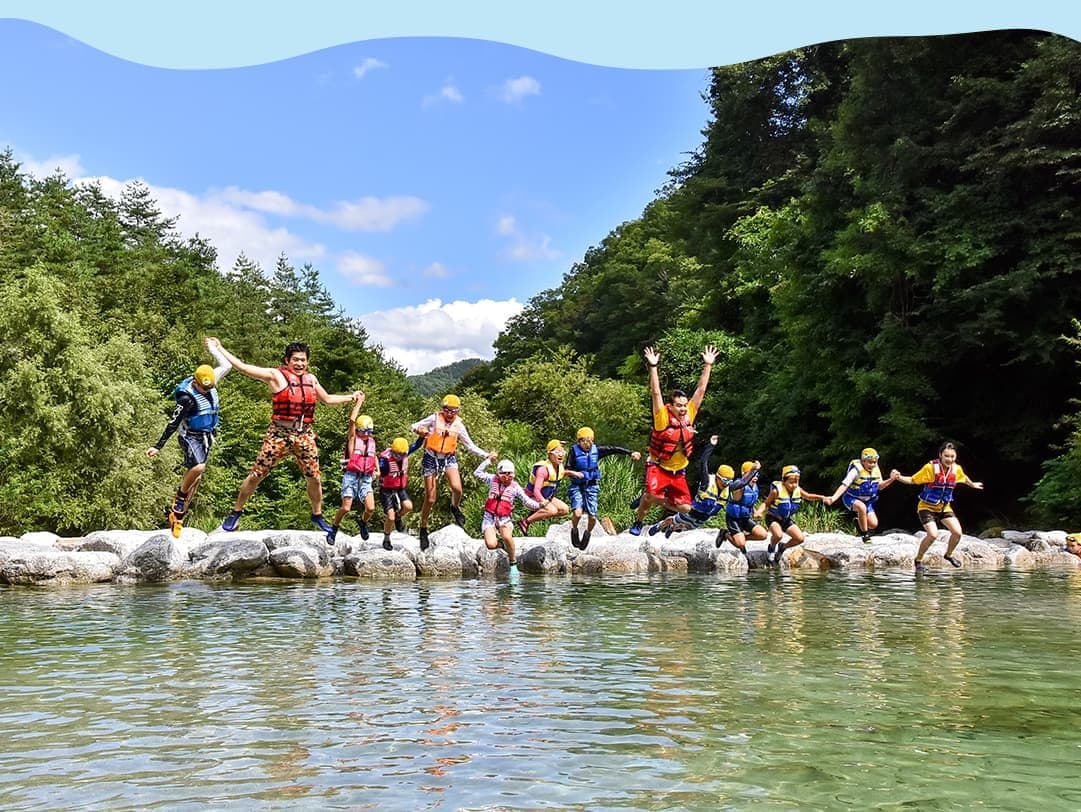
{"x":636,"y":455}
{"x":652,"y":356}
{"x":709,"y":354}
{"x":714,"y":439}
{"x":357,"y":397}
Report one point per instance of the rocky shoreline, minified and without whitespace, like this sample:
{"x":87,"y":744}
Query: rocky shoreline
{"x":138,"y":556}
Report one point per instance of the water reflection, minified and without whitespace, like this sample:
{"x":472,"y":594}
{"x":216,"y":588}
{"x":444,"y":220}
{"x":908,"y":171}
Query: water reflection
{"x":775,"y":690}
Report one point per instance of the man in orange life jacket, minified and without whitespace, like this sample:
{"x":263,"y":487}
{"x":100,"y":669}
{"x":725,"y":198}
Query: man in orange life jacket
{"x":295,"y":392}
{"x":670,"y":442}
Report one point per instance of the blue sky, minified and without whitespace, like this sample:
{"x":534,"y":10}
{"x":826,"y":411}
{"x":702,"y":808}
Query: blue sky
{"x":436,"y":184}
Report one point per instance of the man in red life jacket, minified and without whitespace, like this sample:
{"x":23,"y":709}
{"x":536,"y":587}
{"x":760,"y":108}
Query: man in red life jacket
{"x":671,"y":441}
{"x":295,"y":392}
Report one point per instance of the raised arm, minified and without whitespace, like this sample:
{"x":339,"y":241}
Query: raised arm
{"x":704,"y":474}
{"x":709,"y":355}
{"x":271,"y":377}
{"x":652,"y":359}
{"x":223,"y":366}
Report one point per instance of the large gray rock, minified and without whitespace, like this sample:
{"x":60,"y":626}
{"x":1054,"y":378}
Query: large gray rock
{"x":236,"y":557}
{"x":36,"y":566}
{"x":119,"y":542}
{"x":159,"y":558}
{"x":302,"y":561}
{"x":381,"y":564}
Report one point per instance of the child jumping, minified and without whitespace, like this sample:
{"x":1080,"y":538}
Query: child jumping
{"x":503,"y":490}
{"x":361,"y":470}
{"x":782,"y":503}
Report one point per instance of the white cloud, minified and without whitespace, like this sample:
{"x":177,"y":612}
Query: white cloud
{"x":365,"y":271}
{"x":437,"y":270}
{"x":513,"y":91}
{"x":425,"y":336}
{"x":70,"y":165}
{"x":523,"y":247}
{"x":448,"y":93}
{"x":363,"y":214}
{"x":231,"y":229}
{"x":368,"y":65}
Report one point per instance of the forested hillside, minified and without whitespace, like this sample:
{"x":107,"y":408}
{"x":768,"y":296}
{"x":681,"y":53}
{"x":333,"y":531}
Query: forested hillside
{"x":444,"y":378}
{"x":883,"y":237}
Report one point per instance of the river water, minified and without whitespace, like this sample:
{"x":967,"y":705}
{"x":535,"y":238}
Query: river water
{"x":767,"y":691}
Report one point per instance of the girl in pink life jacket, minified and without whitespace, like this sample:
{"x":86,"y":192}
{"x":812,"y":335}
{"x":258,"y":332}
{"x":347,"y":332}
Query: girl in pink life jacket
{"x":939,"y":477}
{"x":497,"y":525}
{"x":361,"y":463}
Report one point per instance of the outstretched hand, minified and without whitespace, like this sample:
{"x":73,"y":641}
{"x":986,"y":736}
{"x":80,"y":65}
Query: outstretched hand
{"x":709,"y":354}
{"x":652,"y":356}
{"x":714,"y":439}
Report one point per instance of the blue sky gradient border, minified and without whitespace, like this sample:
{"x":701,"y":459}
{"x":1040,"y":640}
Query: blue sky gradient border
{"x":677,"y":34}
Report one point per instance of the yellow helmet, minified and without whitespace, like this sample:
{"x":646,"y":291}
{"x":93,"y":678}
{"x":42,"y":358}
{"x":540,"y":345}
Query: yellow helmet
{"x":204,"y":374}
{"x":400,"y":445}
{"x":726,"y":472}
{"x":364,"y":422}
{"x":869,"y":454}
{"x":789,"y":470}
{"x":452,"y":402}
{"x":747,"y":466}
{"x":585,"y":433}
{"x":552,"y":446}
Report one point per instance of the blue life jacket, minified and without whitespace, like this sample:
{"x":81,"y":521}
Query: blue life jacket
{"x":587,"y":462}
{"x":786,"y":504}
{"x":206,"y":416}
{"x":709,"y":501}
{"x":866,"y":484}
{"x":743,"y":507}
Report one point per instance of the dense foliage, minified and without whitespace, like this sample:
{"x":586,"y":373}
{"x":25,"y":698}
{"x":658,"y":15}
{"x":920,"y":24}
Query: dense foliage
{"x":880,"y":235}
{"x":883,"y":236}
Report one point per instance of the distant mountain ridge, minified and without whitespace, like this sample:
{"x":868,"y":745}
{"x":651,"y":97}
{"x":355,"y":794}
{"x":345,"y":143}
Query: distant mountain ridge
{"x":443,"y":378}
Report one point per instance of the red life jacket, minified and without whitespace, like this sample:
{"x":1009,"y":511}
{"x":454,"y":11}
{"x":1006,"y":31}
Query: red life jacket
{"x":679,"y":433}
{"x":395,"y":470}
{"x":363,"y":459}
{"x":500,"y":500}
{"x":296,"y":402}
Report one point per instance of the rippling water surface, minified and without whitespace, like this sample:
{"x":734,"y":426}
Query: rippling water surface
{"x":764,"y":692}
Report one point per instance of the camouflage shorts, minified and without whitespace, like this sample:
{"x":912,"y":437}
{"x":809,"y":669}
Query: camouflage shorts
{"x":279,"y":443}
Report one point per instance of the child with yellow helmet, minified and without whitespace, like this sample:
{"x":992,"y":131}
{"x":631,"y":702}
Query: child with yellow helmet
{"x":544,"y":479}
{"x":393,"y":480}
{"x":361,"y":471}
{"x":739,"y":521}
{"x":195,"y":421}
{"x":585,"y":456}
{"x":443,"y":431}
{"x":782,"y":503}
{"x":859,"y":490}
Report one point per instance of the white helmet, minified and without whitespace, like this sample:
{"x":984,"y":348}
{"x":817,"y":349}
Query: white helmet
{"x":505,"y":467}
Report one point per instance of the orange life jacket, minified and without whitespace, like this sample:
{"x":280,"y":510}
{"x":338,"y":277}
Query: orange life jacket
{"x":443,"y":438}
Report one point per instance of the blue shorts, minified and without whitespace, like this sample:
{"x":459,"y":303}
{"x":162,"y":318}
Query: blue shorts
{"x":847,"y":499}
{"x":585,"y":495}
{"x":356,"y":486}
{"x":196,"y":446}
{"x":431,"y":465}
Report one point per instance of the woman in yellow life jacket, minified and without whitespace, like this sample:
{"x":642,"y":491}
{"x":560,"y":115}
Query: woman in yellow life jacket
{"x":859,"y":491}
{"x":939,"y":477}
{"x":544,"y":480}
{"x":780,"y":508}
{"x":443,"y":432}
